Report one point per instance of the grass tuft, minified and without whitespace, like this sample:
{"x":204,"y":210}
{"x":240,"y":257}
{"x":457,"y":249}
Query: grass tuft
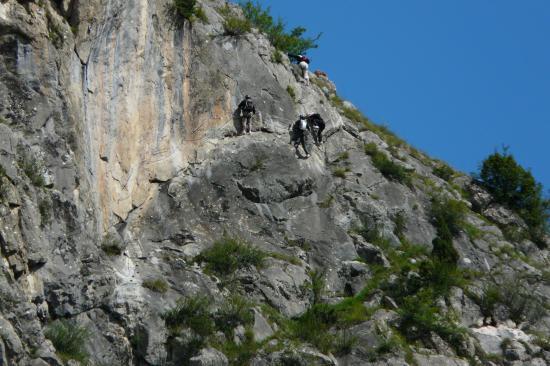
{"x":157,"y":285}
{"x":69,"y":340}
{"x":228,"y":255}
{"x":193,"y":313}
{"x":111,"y":245}
{"x":388,"y":168}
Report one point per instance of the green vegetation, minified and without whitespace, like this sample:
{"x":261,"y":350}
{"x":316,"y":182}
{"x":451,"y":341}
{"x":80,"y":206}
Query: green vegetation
{"x":235,"y":311}
{"x":285,"y":257}
{"x":317,"y":285}
{"x":400,"y":222}
{"x":288,"y":42}
{"x":235,"y":26}
{"x":111,"y":245}
{"x":189,"y":10}
{"x":69,"y":340}
{"x":228,"y":255}
{"x":342,"y":165}
{"x":55,"y":32}
{"x":277,"y":57}
{"x":241,"y":354}
{"x":290,"y":90}
{"x":259,"y":164}
{"x":448,"y":216}
{"x":340,"y":172}
{"x":327,"y":202}
{"x":522,"y":305}
{"x":45,"y":208}
{"x":32,"y":169}
{"x":156,"y":285}
{"x":515,"y":187}
{"x":365,"y":123}
{"x":343,"y":156}
{"x":192,"y":313}
{"x":388,"y":168}
{"x":3,"y":185}
{"x":196,"y":314}
{"x":444,"y":172}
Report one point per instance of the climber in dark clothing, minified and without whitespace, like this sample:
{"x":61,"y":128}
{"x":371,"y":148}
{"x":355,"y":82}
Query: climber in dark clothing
{"x":316,"y":125}
{"x":247,"y":109}
{"x":299,"y":130}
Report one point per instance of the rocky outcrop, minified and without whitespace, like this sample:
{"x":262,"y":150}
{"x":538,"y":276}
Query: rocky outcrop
{"x":120,"y":167}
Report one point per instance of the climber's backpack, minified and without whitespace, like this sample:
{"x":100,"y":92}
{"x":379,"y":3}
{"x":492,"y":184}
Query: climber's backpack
{"x":248,"y":106}
{"x":316,"y":120}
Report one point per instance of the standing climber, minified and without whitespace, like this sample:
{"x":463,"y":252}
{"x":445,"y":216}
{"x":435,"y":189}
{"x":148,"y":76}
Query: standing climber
{"x":316,"y":125}
{"x":299,"y":130}
{"x":303,"y":62}
{"x":247,"y":109}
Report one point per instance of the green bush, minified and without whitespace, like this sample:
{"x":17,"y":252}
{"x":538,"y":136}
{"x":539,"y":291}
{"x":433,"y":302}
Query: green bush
{"x":522,"y":305}
{"x":289,"y":42}
{"x":340,"y":172}
{"x":242,"y":353}
{"x":69,"y":340}
{"x":448,"y":216}
{"x":317,"y":285}
{"x":228,"y":255}
{"x":327,"y":202}
{"x":233,"y":312}
{"x":235,"y":26}
{"x":277,"y":57}
{"x":45,"y":208}
{"x":400,"y":222}
{"x":157,"y":285}
{"x":111,"y":245}
{"x":444,"y":172}
{"x":187,"y":10}
{"x":448,"y":213}
{"x":388,"y":168}
{"x":515,"y":187}
{"x":193,"y":313}
{"x":419,"y":317}
{"x":373,"y":236}
{"x":33,"y":170}
{"x":3,"y":184}
{"x":290,"y":90}
{"x":314,"y":326}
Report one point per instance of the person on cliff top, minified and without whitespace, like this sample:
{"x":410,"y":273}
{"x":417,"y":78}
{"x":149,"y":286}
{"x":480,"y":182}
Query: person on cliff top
{"x":299,"y":130}
{"x":303,"y":62}
{"x":316,"y":125}
{"x":247,"y":109}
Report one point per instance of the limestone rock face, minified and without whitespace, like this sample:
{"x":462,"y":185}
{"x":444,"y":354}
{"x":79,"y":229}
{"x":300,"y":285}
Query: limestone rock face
{"x":121,"y":165}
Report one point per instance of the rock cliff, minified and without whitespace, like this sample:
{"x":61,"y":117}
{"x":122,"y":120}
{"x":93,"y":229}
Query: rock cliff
{"x":135,"y":219}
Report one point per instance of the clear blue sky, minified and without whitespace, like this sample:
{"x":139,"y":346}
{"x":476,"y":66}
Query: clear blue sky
{"x":455,"y":78}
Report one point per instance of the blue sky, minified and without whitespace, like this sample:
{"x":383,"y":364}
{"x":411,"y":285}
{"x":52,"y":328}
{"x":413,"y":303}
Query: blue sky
{"x":455,"y":78}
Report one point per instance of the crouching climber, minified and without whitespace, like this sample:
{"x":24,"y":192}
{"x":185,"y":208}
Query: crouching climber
{"x":299,"y":131}
{"x":303,"y":62}
{"x":246,"y":110}
{"x":316,"y":125}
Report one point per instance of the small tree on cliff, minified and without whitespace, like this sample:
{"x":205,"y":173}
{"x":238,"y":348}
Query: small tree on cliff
{"x":187,"y":10}
{"x":515,"y":187}
{"x":289,"y":42}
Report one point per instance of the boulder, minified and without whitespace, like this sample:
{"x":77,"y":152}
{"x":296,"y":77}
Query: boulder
{"x":209,"y":357}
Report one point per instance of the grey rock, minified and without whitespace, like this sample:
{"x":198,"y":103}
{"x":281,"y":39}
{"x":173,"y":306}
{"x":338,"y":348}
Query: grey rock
{"x":262,"y":330}
{"x":436,"y":360}
{"x":130,"y":122}
{"x":368,"y":252}
{"x":209,"y":357}
{"x":503,"y":216}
